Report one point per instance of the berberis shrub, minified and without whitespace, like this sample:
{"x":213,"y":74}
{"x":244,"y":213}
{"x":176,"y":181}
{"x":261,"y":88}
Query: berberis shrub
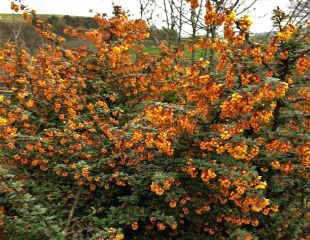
{"x":109,"y":142}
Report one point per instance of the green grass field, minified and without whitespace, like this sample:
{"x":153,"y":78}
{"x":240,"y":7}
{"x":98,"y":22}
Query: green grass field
{"x":19,"y":17}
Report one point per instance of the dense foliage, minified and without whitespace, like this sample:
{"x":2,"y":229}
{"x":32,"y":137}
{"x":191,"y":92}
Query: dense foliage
{"x":111,"y":142}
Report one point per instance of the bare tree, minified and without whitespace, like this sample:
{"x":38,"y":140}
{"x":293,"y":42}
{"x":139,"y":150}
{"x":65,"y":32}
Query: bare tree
{"x":300,"y":12}
{"x":189,"y":23}
{"x":146,"y":9}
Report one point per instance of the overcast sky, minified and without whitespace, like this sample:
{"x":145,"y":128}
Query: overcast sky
{"x":261,"y":15}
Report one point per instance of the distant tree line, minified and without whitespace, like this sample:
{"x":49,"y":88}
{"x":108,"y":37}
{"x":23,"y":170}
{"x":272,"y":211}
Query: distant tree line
{"x":59,"y":23}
